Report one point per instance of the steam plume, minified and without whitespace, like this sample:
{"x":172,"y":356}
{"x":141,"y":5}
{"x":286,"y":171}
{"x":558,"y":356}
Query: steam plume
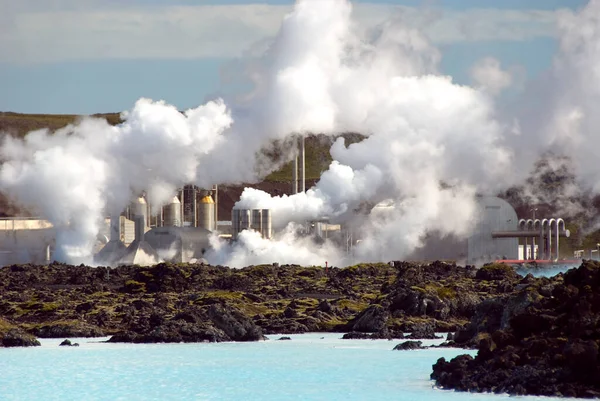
{"x":431,"y":146}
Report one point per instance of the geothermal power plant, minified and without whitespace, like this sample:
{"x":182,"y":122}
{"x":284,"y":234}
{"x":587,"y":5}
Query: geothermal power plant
{"x":181,"y":230}
{"x":178,"y":233}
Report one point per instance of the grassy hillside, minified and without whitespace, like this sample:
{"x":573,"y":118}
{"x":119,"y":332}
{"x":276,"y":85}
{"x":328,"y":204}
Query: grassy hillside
{"x":20,"y":124}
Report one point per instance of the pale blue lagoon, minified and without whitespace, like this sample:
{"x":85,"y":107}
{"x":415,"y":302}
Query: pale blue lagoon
{"x":309,"y":367}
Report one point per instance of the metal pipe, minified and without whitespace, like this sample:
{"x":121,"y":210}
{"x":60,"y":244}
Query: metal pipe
{"x":536,"y":225}
{"x":216,"y":198}
{"x":543,"y":224}
{"x":529,"y":225}
{"x":195,"y":205}
{"x":524,"y":234}
{"x":295,"y":174}
{"x":182,"y":208}
{"x":523,"y":225}
{"x":558,"y":222}
{"x":550,"y":236}
{"x":303,"y":164}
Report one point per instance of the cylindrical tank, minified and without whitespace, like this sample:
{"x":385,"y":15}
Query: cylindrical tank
{"x":206,"y":212}
{"x":139,"y":207}
{"x":245,"y":221}
{"x":172,"y":213}
{"x":235,"y":223}
{"x":266,"y":223}
{"x":256,"y":223}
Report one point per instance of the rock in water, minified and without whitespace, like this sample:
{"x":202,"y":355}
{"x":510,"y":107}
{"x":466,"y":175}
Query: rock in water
{"x":15,"y":337}
{"x":409,"y":345}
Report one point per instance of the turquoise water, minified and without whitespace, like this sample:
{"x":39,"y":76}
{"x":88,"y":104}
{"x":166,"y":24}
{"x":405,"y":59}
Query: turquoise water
{"x":309,"y":367}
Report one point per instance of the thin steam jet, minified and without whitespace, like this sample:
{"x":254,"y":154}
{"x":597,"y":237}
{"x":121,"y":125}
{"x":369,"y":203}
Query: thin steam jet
{"x":431,"y":144}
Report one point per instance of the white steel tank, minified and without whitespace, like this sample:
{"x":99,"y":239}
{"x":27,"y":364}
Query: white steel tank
{"x":266,"y":223}
{"x":245,"y":220}
{"x":256,"y":223}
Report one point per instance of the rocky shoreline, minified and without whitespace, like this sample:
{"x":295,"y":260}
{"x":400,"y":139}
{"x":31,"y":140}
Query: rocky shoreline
{"x":174,"y":303}
{"x":533,"y":335}
{"x":543,"y":340}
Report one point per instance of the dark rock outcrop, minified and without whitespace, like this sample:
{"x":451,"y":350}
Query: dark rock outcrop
{"x":70,"y":329}
{"x":234,"y":324}
{"x":68,"y":343}
{"x":15,"y":337}
{"x":409,"y":345}
{"x":199,"y":302}
{"x":537,"y":342}
{"x":424,"y":331}
{"x":380,"y":335}
{"x":370,"y":320}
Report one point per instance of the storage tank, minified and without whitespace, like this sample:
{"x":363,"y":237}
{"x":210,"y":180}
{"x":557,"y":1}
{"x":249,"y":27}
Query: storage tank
{"x":266,"y":223}
{"x":206,"y":212}
{"x":172,"y":213}
{"x":245,"y":221}
{"x":256,"y":223}
{"x":139,"y":207}
{"x":235,"y":222}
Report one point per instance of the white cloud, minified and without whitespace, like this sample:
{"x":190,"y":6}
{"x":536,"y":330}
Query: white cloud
{"x":34,"y":31}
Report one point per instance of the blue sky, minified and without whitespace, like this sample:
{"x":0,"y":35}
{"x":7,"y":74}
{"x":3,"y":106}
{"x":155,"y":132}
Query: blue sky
{"x":88,"y":56}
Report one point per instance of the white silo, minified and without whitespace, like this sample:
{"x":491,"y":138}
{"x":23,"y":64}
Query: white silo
{"x":245,"y":220}
{"x":256,"y":223}
{"x":172,"y":213}
{"x":206,"y":212}
{"x":266,"y":224}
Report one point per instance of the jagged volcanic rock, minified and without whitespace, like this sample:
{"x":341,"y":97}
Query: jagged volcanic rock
{"x":537,"y":342}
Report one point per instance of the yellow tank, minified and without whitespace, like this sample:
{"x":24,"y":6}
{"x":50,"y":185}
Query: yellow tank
{"x":206,"y":212}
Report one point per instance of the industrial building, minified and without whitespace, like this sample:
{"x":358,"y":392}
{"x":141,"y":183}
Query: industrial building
{"x":497,"y":234}
{"x":24,"y":240}
{"x":178,"y":233}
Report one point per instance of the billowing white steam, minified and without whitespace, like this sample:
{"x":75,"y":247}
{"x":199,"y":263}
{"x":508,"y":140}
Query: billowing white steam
{"x":426,"y":135}
{"x":558,"y":115}
{"x":431,"y":144}
{"x":488,"y":75}
{"x":78,"y":174}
